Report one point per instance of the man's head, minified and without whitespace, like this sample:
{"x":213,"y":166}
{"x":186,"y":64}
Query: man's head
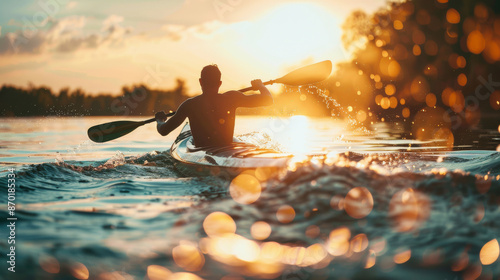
{"x":210,"y":78}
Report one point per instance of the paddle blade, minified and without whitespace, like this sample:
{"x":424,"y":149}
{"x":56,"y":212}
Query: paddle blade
{"x":108,"y":131}
{"x":307,"y":75}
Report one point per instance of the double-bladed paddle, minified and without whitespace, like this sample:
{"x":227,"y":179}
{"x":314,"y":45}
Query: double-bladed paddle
{"x":305,"y":75}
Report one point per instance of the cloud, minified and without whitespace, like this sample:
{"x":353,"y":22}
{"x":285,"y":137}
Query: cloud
{"x":71,"y":5}
{"x":177,"y":32}
{"x":13,"y":22}
{"x":111,"y":21}
{"x":174,"y":32}
{"x":63,"y":35}
{"x":74,"y":33}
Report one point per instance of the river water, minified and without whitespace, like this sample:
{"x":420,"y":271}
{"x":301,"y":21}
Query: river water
{"x":371,"y":205}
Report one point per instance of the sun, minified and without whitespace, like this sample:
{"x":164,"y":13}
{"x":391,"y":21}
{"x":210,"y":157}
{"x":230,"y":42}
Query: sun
{"x":295,"y":32}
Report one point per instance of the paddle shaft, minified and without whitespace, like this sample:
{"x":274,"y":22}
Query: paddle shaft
{"x":305,"y":75}
{"x":241,"y":90}
{"x":153,"y":119}
{"x":109,"y":131}
{"x":250,"y":88}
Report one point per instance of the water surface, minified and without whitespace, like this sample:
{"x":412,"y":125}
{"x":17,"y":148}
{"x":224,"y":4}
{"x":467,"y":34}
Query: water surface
{"x":371,"y":204}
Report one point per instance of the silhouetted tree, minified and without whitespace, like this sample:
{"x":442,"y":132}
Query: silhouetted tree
{"x":134,"y":100}
{"x":432,"y":65}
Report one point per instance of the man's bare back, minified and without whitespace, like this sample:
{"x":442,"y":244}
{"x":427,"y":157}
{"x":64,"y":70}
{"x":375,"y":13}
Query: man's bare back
{"x":212,"y":115}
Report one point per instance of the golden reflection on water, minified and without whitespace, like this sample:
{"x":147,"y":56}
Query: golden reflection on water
{"x":489,"y":253}
{"x":461,"y":263}
{"x":312,"y":231}
{"x":187,"y":256}
{"x":260,"y":230}
{"x":408,"y":209}
{"x":218,"y":223}
{"x":371,"y":260}
{"x":285,"y":214}
{"x":249,"y":256}
{"x":183,"y":276}
{"x":359,"y":243}
{"x":358,"y":202}
{"x":472,"y":272}
{"x":245,"y":189}
{"x":402,"y":257}
{"x":158,"y":272}
{"x":338,"y":241}
{"x":49,"y":264}
{"x":79,"y":271}
{"x":115,"y":275}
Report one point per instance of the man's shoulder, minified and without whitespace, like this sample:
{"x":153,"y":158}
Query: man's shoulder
{"x":233,"y":93}
{"x":187,"y":104}
{"x":191,"y":100}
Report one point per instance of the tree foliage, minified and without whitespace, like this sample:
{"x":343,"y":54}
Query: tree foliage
{"x":432,"y":65}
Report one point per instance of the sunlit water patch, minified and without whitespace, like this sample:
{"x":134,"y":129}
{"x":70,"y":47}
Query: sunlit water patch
{"x":362,"y":207}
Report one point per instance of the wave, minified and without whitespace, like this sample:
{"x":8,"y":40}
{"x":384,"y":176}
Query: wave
{"x":363,"y":216}
{"x":429,"y":223}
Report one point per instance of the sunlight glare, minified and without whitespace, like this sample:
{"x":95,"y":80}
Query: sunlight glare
{"x":294,"y":32}
{"x":297,"y":140}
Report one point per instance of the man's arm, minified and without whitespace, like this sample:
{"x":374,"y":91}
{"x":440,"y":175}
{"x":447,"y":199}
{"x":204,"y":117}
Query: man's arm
{"x":164,"y":128}
{"x":255,"y":100}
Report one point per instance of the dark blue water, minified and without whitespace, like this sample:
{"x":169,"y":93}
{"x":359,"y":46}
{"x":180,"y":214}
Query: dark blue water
{"x":127,"y":210}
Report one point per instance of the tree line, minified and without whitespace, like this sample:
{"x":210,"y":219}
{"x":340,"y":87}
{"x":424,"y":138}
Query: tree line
{"x":135,"y":100}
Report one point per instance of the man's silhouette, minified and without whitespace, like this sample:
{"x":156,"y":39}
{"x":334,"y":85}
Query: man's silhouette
{"x":211,"y":115}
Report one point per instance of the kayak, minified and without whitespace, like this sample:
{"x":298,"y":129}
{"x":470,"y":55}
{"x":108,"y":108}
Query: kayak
{"x":237,"y":155}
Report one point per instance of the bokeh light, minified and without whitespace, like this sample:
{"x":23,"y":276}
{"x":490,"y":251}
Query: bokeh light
{"x":495,"y":100}
{"x":371,"y":260}
{"x":358,"y":202}
{"x":452,"y":16}
{"x":390,"y":89}
{"x":183,"y":276}
{"x":49,"y":264}
{"x":402,"y":257}
{"x":219,"y":223}
{"x":359,"y":243}
{"x":245,"y":189}
{"x":430,"y":100}
{"x":408,"y":209}
{"x":158,"y":272}
{"x":476,"y":42}
{"x":461,"y":262}
{"x":187,"y":256}
{"x":79,"y":271}
{"x":489,"y":253}
{"x":285,"y":214}
{"x":338,"y":241}
{"x":462,"y":79}
{"x":260,"y":230}
{"x":312,"y":231}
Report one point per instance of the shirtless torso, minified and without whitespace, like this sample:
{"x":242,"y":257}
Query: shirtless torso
{"x":212,"y":115}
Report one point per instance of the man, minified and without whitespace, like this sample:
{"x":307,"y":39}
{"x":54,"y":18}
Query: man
{"x":211,"y":115}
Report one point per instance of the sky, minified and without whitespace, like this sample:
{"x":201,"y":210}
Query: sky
{"x":101,"y":46}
